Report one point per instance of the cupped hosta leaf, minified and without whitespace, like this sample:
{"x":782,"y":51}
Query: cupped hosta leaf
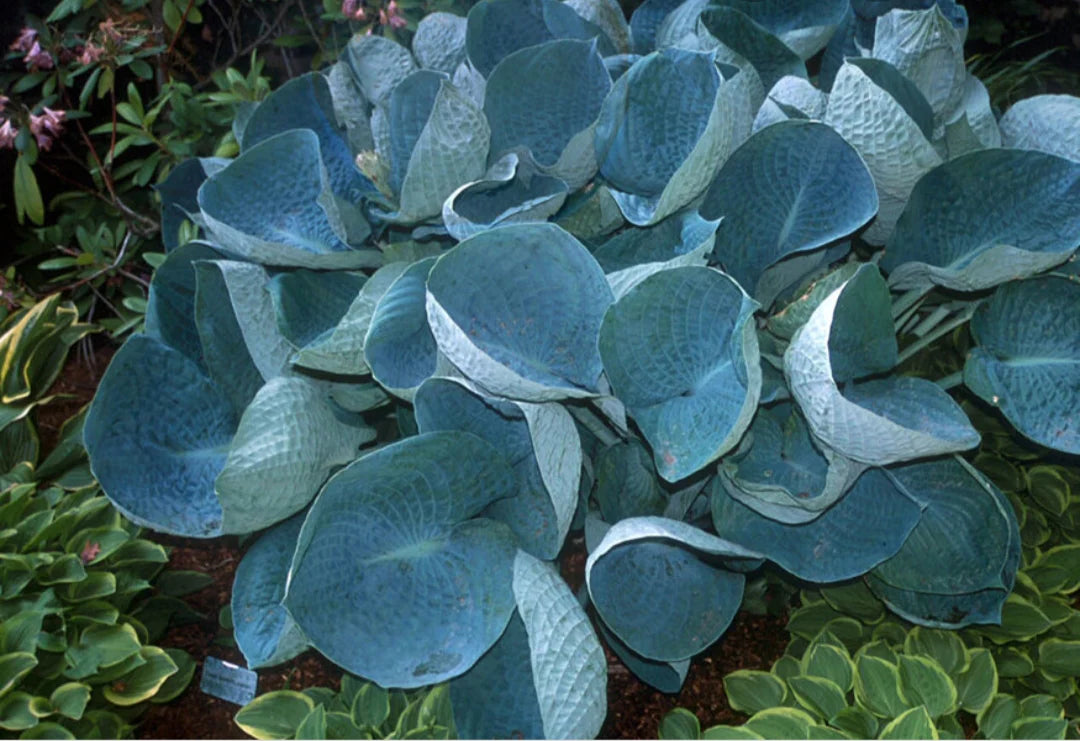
{"x":265,"y":632}
{"x":178,"y":193}
{"x":681,"y":353}
{"x":538,"y":440}
{"x":157,"y":433}
{"x":968,"y":227}
{"x":958,"y":565}
{"x":273,"y":204}
{"x":666,"y":676}
{"x":378,"y":65}
{"x":518,"y":309}
{"x":868,"y":525}
{"x":791,"y":97}
{"x":784,"y":475}
{"x":439,"y":42}
{"x":1027,"y":358}
{"x":608,"y":16}
{"x":305,"y":103}
{"x":664,"y":130}
{"x":626,"y":483}
{"x":438,"y":141}
{"x":170,"y":304}
{"x":928,"y":49}
{"x":545,"y":99}
{"x":309,"y":304}
{"x":289,"y":440}
{"x":972,"y":125}
{"x":391,"y":547}
{"x":1049,"y":123}
{"x":510,"y":192}
{"x":791,"y":187}
{"x":399,"y":347}
{"x":498,"y":28}
{"x":770,"y":57}
{"x":805,"y":27}
{"x":878,"y":421}
{"x":342,"y":350}
{"x":636,"y":253}
{"x":657,"y":585}
{"x":874,"y":113}
{"x":646,"y":21}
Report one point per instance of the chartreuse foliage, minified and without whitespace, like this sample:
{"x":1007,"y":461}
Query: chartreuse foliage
{"x":561,"y":270}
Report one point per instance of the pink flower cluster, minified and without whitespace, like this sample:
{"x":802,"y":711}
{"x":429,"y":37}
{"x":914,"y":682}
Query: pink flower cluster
{"x":45,"y":127}
{"x":389,"y":16}
{"x":36,"y":58}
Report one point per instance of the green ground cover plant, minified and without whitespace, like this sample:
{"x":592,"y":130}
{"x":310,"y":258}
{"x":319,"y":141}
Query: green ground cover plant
{"x":551,"y":269}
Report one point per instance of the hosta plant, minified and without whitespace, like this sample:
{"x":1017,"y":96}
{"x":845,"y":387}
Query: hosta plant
{"x":551,"y":269}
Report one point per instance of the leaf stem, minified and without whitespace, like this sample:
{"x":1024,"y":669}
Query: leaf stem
{"x":592,"y":422}
{"x":938,"y":333}
{"x":951,"y":381}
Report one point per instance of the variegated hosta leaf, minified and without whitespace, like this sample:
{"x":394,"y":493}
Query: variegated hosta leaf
{"x":274,"y":204}
{"x":539,"y":441}
{"x":629,"y":580}
{"x":1026,"y":361}
{"x":789,"y":188}
{"x":545,"y":100}
{"x":665,"y":129}
{"x":784,"y":475}
{"x":959,"y":563}
{"x":680,"y":351}
{"x":546,"y":677}
{"x":1049,"y":123}
{"x":968,"y":227}
{"x":868,"y":525}
{"x":265,"y":633}
{"x":395,"y":578}
{"x":883,"y":124}
{"x":517,"y":309}
{"x":635,"y":253}
{"x":877,"y":421}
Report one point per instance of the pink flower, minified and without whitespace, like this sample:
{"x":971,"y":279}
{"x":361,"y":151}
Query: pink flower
{"x":91,"y":54}
{"x":38,"y":58}
{"x":353,"y":9}
{"x":393,"y":15}
{"x":46,"y":127}
{"x":25,"y":40}
{"x":7,"y":135}
{"x":4,"y":100}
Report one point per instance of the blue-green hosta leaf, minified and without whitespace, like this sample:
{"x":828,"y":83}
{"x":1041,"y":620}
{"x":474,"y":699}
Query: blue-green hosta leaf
{"x":646,"y":21}
{"x":657,"y":585}
{"x":157,"y":434}
{"x":635,"y":253}
{"x":498,"y":28}
{"x":958,"y":565}
{"x":626,"y":483}
{"x":265,"y":633}
{"x":968,"y":227}
{"x":608,"y":16}
{"x":865,"y":527}
{"x":309,"y":304}
{"x":399,"y":346}
{"x":378,"y":64}
{"x":392,"y":548}
{"x":973,"y":124}
{"x":178,"y":193}
{"x":511,"y":192}
{"x":783,"y":279}
{"x":342,"y":351}
{"x":741,"y":34}
{"x":928,"y":49}
{"x":350,"y":107}
{"x":783,"y":475}
{"x":540,"y":442}
{"x":1026,"y":361}
{"x":274,"y":205}
{"x":681,"y":353}
{"x":894,"y":146}
{"x":438,"y":141}
{"x":545,"y":99}
{"x":666,"y":676}
{"x":664,"y":130}
{"x":805,"y":27}
{"x":305,"y":103}
{"x":545,"y":677}
{"x":288,"y":442}
{"x":170,"y":303}
{"x":789,"y":188}
{"x":590,"y":213}
{"x":791,"y":97}
{"x":439,"y":42}
{"x":880,"y":421}
{"x":1049,"y":123}
{"x":518,"y":309}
